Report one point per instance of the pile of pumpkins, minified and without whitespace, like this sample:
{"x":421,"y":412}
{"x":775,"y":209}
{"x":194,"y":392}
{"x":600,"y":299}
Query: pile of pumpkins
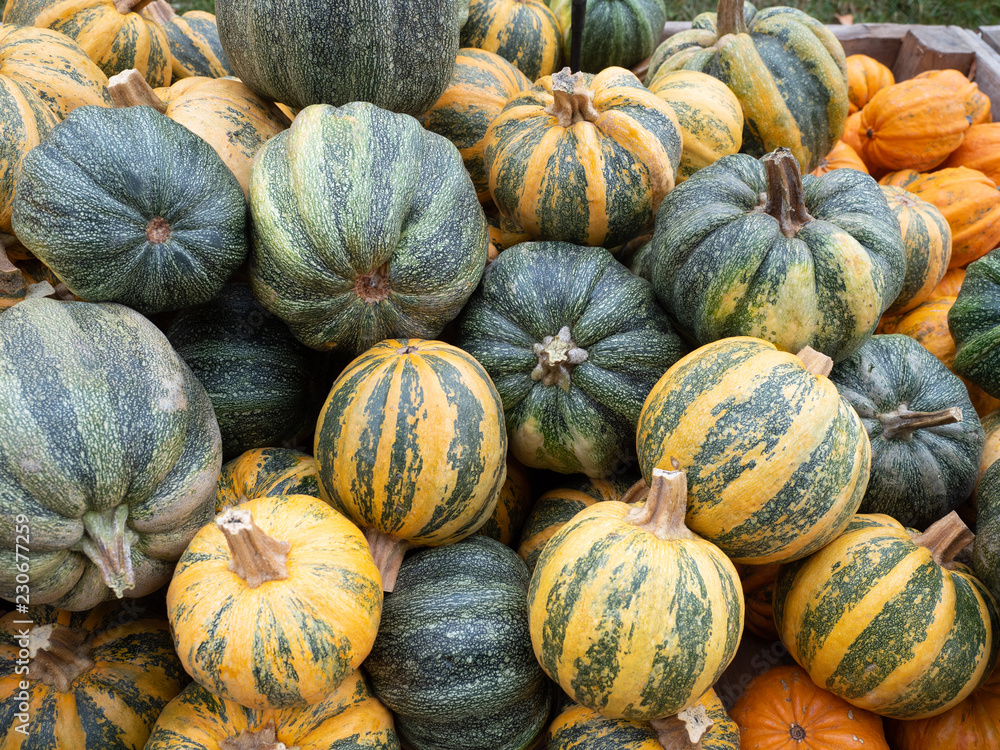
{"x":369,"y":378}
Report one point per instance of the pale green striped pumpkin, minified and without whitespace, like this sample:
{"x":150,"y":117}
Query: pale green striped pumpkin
{"x":885,"y":619}
{"x":974,"y":322}
{"x":523,"y":32}
{"x":616,"y":32}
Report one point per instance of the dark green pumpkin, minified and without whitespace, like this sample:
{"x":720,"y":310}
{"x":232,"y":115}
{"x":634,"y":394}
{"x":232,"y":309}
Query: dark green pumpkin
{"x":195,"y":49}
{"x":616,"y":33}
{"x":744,"y":248}
{"x":974,"y":322}
{"x":258,"y":376}
{"x":108,"y":448}
{"x":366,"y":227}
{"x":397,"y":54}
{"x":126,"y":205}
{"x":924,"y":462}
{"x":573,"y":343}
{"x":986,"y":548}
{"x":453,"y":657}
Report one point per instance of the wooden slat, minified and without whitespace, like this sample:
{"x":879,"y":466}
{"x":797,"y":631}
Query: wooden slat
{"x":986,"y":72}
{"x":933,"y":48}
{"x":991,"y":35}
{"x":877,"y":40}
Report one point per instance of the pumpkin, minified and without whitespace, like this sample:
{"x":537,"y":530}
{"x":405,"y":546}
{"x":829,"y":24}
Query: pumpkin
{"x":913,"y":124}
{"x":557,"y":506}
{"x":93,"y":679}
{"x":576,"y":727}
{"x":782,"y":708}
{"x":54,"y":67}
{"x":193,"y":38}
{"x":746,"y":247}
{"x":991,"y":451}
{"x":453,"y":659}
{"x":975,"y":324}
{"x":927,"y":241}
{"x":865,"y":77}
{"x":709,"y":114}
{"x":884,"y":618}
{"x":986,"y":550}
{"x":524,"y":32}
{"x":925,"y":435}
{"x":785,"y":67}
{"x":275,"y":603}
{"x":480,"y":86}
{"x":225,"y":113}
{"x":852,"y":134}
{"x":583,"y":158}
{"x":758,"y":589}
{"x":399,"y":53}
{"x":512,"y":508}
{"x":125,"y":205}
{"x":503,"y":232}
{"x":777,"y":461}
{"x":348,"y":718}
{"x":411,"y":446}
{"x":111,"y":32}
{"x":266,"y":471}
{"x":977,"y":104}
{"x":841,"y":156}
{"x":615,"y":34}
{"x":950,"y":283}
{"x":366,"y":227}
{"x":573,"y":352}
{"x":110,"y":451}
{"x":980,"y":150}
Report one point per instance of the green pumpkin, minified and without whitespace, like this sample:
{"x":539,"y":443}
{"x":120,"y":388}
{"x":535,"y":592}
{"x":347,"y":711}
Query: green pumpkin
{"x":397,"y":54}
{"x":126,"y":205}
{"x":744,"y":247}
{"x":573,"y":343}
{"x":195,"y":49}
{"x":523,"y":32}
{"x":986,"y":549}
{"x":366,"y":227}
{"x":453,"y":657}
{"x":615,"y":33}
{"x":258,"y":376}
{"x":974,"y":322}
{"x":925,"y":434}
{"x":787,"y":69}
{"x":109,"y":451}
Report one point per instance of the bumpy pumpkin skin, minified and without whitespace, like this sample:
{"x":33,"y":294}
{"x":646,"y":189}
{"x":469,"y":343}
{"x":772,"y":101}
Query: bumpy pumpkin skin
{"x":986,"y":549}
{"x":348,"y":718}
{"x":366,"y":227}
{"x":266,"y":471}
{"x":980,"y":150}
{"x":127,"y":206}
{"x":878,"y":621}
{"x":512,"y":508}
{"x":195,"y":49}
{"x":524,"y":32}
{"x":865,"y":77}
{"x":118,"y":444}
{"x":111,"y":702}
{"x":294,"y":51}
{"x":974,"y":322}
{"x":615,"y":34}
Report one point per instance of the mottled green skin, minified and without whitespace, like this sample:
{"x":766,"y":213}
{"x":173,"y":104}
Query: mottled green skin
{"x":453,"y":657}
{"x":722,"y":267}
{"x":919,"y":476}
{"x":692,"y":42}
{"x":98,"y":413}
{"x":530,"y":292}
{"x":986,"y":549}
{"x":195,"y":46}
{"x":397,"y":54}
{"x":88,"y":193}
{"x":974,"y":322}
{"x":258,"y":376}
{"x":26,"y":120}
{"x":349,"y":191}
{"x":616,"y":32}
{"x":529,"y":37}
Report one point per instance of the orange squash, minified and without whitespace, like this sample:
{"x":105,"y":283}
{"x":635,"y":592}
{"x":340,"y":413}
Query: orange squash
{"x":977,"y":104}
{"x":758,"y":589}
{"x":950,"y":283}
{"x":980,"y":150}
{"x":852,"y":133}
{"x":841,"y":156}
{"x":865,"y":77}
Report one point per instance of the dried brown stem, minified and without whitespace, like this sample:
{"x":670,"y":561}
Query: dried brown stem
{"x":666,"y":506}
{"x":557,"y":356}
{"x":729,"y":18}
{"x":265,"y":738}
{"x":160,"y":11}
{"x":573,"y":101}
{"x":815,"y":362}
{"x":388,"y":552}
{"x":131,"y":6}
{"x":785,"y":193}
{"x":256,"y":557}
{"x":945,"y":538}
{"x":58,"y":655}
{"x":130,"y":89}
{"x":685,"y":730}
{"x":902,"y":422}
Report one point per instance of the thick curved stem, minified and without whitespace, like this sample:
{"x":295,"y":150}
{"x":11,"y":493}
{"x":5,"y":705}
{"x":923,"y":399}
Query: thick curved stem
{"x":108,"y":544}
{"x":785,"y":192}
{"x":265,"y":738}
{"x":256,"y":557}
{"x":387,"y":551}
{"x":945,"y":538}
{"x":58,"y":655}
{"x":666,"y":506}
{"x":160,"y":11}
{"x":815,"y":362}
{"x":729,"y":18}
{"x":557,"y":356}
{"x":130,"y":89}
{"x":902,"y":422}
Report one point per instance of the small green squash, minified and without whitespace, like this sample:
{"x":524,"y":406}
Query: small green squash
{"x":453,"y":658}
{"x":974,"y":322}
{"x":986,"y":550}
{"x":266,"y":471}
{"x":523,"y":32}
{"x":109,"y":452}
{"x":126,"y":205}
{"x":616,"y":33}
{"x":574,"y":343}
{"x":193,"y":37}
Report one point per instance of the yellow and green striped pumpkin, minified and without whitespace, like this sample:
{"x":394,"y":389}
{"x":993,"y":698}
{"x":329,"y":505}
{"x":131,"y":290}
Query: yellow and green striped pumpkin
{"x":275,"y":603}
{"x":266,"y":471}
{"x":512,"y":508}
{"x":411,"y":446}
{"x":630,"y":612}
{"x":583,"y":158}
{"x":96,"y":679}
{"x":883,"y":618}
{"x":348,"y":718}
{"x":193,"y":37}
{"x":111,"y":32}
{"x":777,"y":461}
{"x":523,"y":32}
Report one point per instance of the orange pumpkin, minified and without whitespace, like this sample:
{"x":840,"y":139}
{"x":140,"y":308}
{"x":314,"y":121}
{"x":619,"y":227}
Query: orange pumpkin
{"x":783,"y":710}
{"x":852,"y":133}
{"x":758,"y":589}
{"x":950,"y":283}
{"x":841,"y":156}
{"x":980,"y":150}
{"x":865,"y":76}
{"x":977,"y":104}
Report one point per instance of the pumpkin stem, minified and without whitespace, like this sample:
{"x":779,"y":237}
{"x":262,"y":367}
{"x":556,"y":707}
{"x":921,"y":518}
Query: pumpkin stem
{"x":785,"y":193}
{"x":572,"y":101}
{"x":685,"y":730}
{"x":265,"y":738}
{"x":557,"y":356}
{"x":59,"y":655}
{"x":902,"y":422}
{"x":387,"y":552}
{"x":7,"y":268}
{"x":666,"y":506}
{"x":108,"y":543}
{"x":256,"y":557}
{"x":729,"y":18}
{"x":945,"y":538}
{"x":373,"y":286}
{"x":815,"y":362}
{"x":158,"y":230}
{"x":131,"y":6}
{"x":160,"y":11}
{"x":130,"y":89}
